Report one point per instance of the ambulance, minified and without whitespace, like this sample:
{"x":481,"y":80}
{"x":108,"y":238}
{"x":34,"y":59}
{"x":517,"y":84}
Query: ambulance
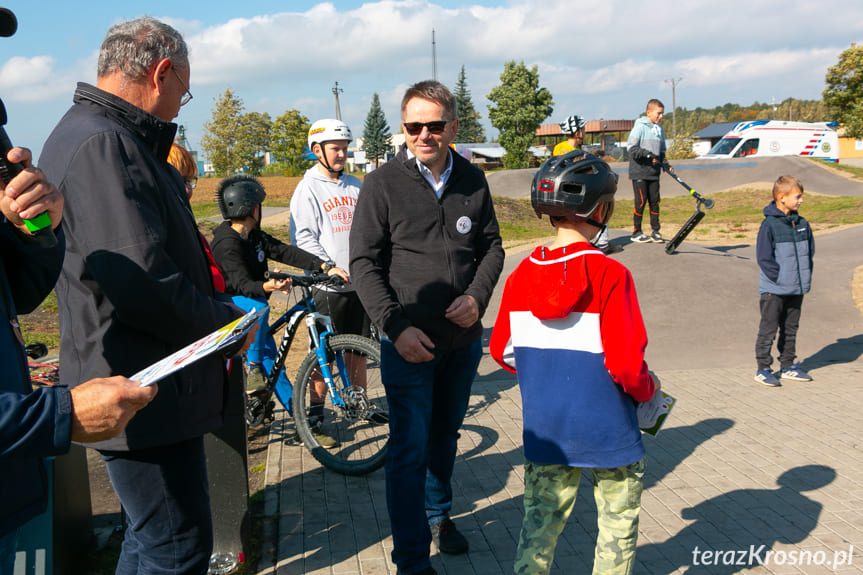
{"x":762,"y":138}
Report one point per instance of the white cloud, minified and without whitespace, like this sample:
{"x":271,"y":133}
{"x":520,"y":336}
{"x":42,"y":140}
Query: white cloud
{"x":35,"y":79}
{"x":599,"y":59}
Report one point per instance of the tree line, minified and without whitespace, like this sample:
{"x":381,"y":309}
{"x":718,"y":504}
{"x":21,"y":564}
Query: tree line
{"x":237,"y":140}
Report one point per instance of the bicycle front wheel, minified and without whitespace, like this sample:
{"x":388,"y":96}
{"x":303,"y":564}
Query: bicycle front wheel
{"x":348,"y":432}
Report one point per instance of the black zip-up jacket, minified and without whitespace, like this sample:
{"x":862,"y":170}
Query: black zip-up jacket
{"x":412,"y":254}
{"x":136,"y":283}
{"x":244,"y":261}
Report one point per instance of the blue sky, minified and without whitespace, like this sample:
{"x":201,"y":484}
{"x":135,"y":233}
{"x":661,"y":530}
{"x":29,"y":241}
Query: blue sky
{"x":598,"y":59}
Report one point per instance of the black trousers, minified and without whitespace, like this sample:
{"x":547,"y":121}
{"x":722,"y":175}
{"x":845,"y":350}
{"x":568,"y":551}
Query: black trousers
{"x":646,"y":192}
{"x":778,"y":312}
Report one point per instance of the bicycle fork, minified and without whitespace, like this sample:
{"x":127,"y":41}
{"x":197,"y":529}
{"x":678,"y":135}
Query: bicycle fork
{"x":320,"y":340}
{"x":353,"y":403}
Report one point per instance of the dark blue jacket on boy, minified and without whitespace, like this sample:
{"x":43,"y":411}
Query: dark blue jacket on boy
{"x":784,"y":250}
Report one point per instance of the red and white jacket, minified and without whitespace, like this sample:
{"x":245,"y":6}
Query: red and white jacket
{"x":569,"y":325}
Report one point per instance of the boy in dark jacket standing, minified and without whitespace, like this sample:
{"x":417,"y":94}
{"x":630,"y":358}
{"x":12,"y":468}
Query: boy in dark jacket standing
{"x":785,"y":248}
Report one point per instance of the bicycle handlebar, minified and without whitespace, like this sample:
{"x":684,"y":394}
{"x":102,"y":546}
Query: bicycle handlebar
{"x":316,"y":278}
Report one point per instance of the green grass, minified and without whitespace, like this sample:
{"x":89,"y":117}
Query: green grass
{"x":50,"y":303}
{"x":32,"y":334}
{"x":205,"y":210}
{"x":851,"y":170}
{"x":733,"y":211}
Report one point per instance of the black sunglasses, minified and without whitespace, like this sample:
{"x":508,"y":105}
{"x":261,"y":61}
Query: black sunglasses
{"x":416,"y":128}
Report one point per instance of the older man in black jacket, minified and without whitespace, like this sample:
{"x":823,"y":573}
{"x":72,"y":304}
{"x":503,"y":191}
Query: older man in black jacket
{"x":136,"y":286}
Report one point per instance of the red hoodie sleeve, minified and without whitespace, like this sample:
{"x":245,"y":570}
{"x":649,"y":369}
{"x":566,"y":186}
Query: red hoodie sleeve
{"x":624,"y":338}
{"x":500,"y":345}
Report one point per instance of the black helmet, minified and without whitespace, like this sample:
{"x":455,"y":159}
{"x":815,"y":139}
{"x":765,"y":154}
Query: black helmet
{"x":238,"y":195}
{"x":572,"y":186}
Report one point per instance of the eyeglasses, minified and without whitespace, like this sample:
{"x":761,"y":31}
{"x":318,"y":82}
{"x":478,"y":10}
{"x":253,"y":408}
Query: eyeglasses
{"x":187,"y":95}
{"x":191,"y":183}
{"x":416,"y":128}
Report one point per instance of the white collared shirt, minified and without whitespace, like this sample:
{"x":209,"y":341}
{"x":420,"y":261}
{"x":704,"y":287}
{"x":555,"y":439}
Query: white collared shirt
{"x":427,"y":173}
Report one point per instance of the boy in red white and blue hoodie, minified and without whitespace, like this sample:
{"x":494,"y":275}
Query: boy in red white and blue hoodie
{"x":569,"y":325}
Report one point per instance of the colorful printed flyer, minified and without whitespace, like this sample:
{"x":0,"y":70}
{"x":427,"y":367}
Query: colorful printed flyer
{"x":208,"y":344}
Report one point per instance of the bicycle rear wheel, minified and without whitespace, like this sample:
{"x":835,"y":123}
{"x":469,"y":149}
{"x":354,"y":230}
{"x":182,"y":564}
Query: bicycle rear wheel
{"x":358,"y":419}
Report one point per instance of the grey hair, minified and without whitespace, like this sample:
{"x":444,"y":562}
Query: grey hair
{"x":433,"y":91}
{"x":132,"y":47}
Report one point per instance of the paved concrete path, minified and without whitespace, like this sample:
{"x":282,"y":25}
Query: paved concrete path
{"x":737,"y":467}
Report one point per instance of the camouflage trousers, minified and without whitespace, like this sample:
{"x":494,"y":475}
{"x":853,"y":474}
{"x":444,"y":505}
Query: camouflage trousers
{"x":549,"y":496}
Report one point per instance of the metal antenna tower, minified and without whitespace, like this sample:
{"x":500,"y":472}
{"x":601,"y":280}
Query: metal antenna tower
{"x":336,"y":92}
{"x":674,"y":82}
{"x":434,"y":58}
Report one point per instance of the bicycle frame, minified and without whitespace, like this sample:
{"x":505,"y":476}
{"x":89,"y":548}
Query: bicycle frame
{"x":305,"y":310}
{"x":357,"y":420}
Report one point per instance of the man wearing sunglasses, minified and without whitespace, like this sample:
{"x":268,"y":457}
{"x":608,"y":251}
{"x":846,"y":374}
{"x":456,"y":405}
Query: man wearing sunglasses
{"x":425,"y":254}
{"x":136,"y":286}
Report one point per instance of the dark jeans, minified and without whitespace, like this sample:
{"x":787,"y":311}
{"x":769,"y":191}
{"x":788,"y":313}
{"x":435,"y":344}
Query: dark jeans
{"x":782,"y":312}
{"x":427,"y":403}
{"x":165,"y":495}
{"x":646,"y":192}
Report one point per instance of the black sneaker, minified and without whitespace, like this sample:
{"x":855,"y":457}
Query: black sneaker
{"x":611,"y":249}
{"x":639,"y":237}
{"x":377,"y":416}
{"x":447,"y":538}
{"x":656,"y":238}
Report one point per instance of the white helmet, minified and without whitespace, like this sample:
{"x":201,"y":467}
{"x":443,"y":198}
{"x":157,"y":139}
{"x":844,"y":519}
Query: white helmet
{"x":328,"y":130}
{"x":572,"y":125}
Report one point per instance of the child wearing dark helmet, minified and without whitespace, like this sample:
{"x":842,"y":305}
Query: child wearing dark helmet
{"x":241,"y":249}
{"x":570,"y":327}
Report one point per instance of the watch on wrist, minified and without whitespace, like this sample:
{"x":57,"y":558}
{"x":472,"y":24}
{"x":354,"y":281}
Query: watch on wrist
{"x":328,"y":265}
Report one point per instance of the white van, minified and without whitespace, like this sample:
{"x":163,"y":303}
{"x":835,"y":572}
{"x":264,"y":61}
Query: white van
{"x":777,"y":138}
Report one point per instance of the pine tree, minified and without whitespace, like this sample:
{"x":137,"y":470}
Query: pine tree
{"x":469,"y":128}
{"x":377,"y":140}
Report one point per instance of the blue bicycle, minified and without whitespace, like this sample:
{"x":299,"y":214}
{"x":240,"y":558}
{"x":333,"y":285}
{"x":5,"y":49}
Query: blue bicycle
{"x":355,"y":412}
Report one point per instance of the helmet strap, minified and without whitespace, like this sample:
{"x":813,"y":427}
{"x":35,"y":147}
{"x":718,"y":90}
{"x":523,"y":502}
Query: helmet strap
{"x":601,"y":227}
{"x":325,"y":163}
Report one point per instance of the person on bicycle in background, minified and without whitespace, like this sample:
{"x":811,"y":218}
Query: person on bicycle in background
{"x":322,"y":210}
{"x":241,"y":249}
